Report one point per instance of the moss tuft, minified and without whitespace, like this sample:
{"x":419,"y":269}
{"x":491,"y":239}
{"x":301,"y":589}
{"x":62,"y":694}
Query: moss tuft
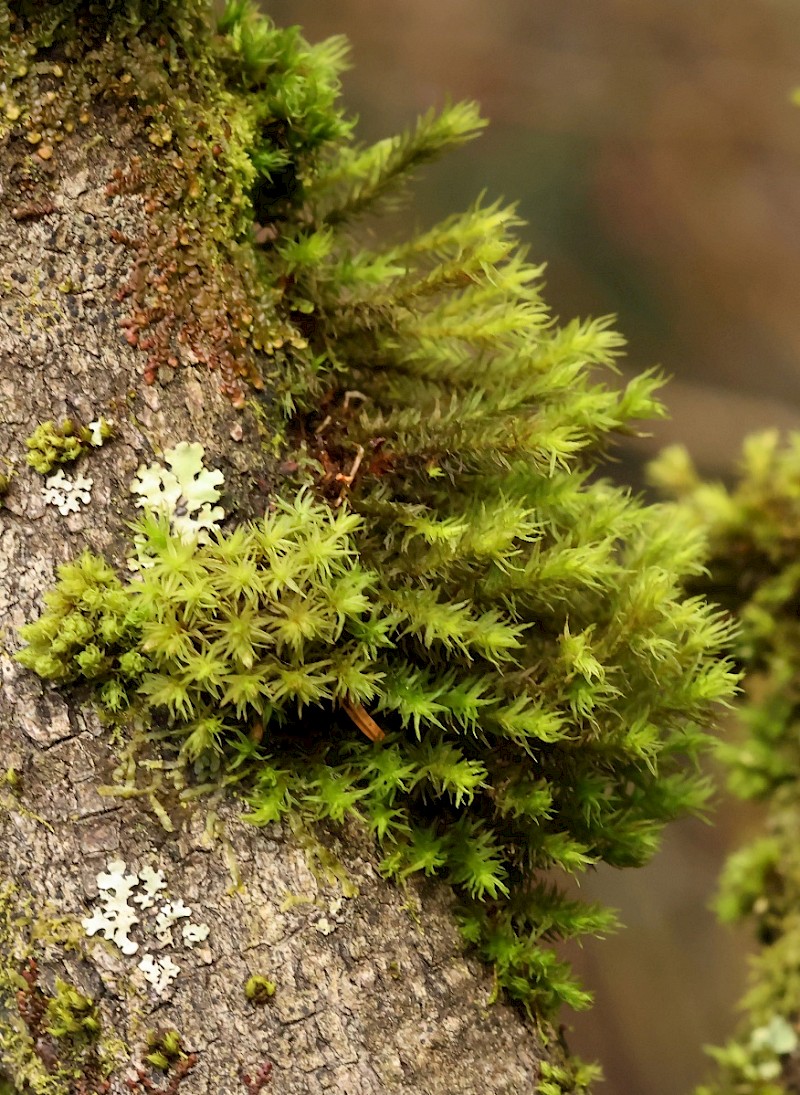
{"x":71,"y":1015}
{"x":50,"y":1043}
{"x":273,"y":651}
{"x":754,"y":534}
{"x":50,"y":445}
{"x":459,"y":633}
{"x":259,"y":989}
{"x":165,"y":1048}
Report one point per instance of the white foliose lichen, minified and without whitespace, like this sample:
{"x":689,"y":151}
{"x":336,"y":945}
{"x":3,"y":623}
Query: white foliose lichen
{"x":115,"y":917}
{"x":67,"y":494}
{"x":184,"y":491}
{"x":168,"y":916}
{"x":152,"y":883}
{"x":194,"y":933}
{"x":159,"y":971}
{"x":100,"y":431}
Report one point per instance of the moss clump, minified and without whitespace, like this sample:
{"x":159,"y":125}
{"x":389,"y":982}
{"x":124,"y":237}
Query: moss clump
{"x":50,"y":1043}
{"x":754,"y":533}
{"x":259,"y":989}
{"x":262,"y":650}
{"x":165,"y":1048}
{"x":255,"y":625}
{"x":50,"y":445}
{"x":71,"y":1015}
{"x":568,"y":1077}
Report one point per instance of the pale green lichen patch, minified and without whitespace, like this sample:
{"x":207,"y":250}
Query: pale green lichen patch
{"x":183,"y":492}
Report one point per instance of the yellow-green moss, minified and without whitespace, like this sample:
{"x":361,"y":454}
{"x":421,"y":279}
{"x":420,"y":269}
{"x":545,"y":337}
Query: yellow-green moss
{"x":511,"y":632}
{"x":259,"y":989}
{"x":165,"y":1047}
{"x":50,"y":445}
{"x":50,"y":1043}
{"x":71,"y":1015}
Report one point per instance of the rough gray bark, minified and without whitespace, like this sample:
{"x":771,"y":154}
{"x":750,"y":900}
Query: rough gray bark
{"x":372,"y":997}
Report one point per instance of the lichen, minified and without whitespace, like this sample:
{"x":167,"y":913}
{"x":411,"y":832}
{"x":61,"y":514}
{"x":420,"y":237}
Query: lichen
{"x":67,"y":495}
{"x":183,"y":492}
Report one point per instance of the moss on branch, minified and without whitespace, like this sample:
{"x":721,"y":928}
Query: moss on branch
{"x":457,"y":572}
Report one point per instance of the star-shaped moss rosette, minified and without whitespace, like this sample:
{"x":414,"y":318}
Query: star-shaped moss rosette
{"x":184,"y":491}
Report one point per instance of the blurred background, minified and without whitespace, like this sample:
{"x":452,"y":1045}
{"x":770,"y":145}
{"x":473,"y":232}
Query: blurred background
{"x":654,"y":150}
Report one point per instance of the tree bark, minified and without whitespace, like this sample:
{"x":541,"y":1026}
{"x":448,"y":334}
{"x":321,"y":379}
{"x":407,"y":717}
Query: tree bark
{"x":373,"y":991}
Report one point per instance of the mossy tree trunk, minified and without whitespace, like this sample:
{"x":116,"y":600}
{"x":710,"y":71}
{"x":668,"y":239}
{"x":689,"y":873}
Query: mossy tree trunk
{"x":373,"y":993}
{"x":425,"y":620}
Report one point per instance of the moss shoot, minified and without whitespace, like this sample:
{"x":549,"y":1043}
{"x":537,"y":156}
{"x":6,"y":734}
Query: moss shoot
{"x":259,"y":990}
{"x":51,"y":1042}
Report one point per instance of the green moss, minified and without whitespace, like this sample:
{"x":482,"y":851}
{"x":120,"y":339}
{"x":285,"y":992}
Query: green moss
{"x":50,"y":445}
{"x":260,"y":650}
{"x":71,"y":1015}
{"x":510,"y":631}
{"x":567,"y":1076}
{"x":165,"y":1049}
{"x":50,"y":1044}
{"x":754,"y":532}
{"x":259,"y":989}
